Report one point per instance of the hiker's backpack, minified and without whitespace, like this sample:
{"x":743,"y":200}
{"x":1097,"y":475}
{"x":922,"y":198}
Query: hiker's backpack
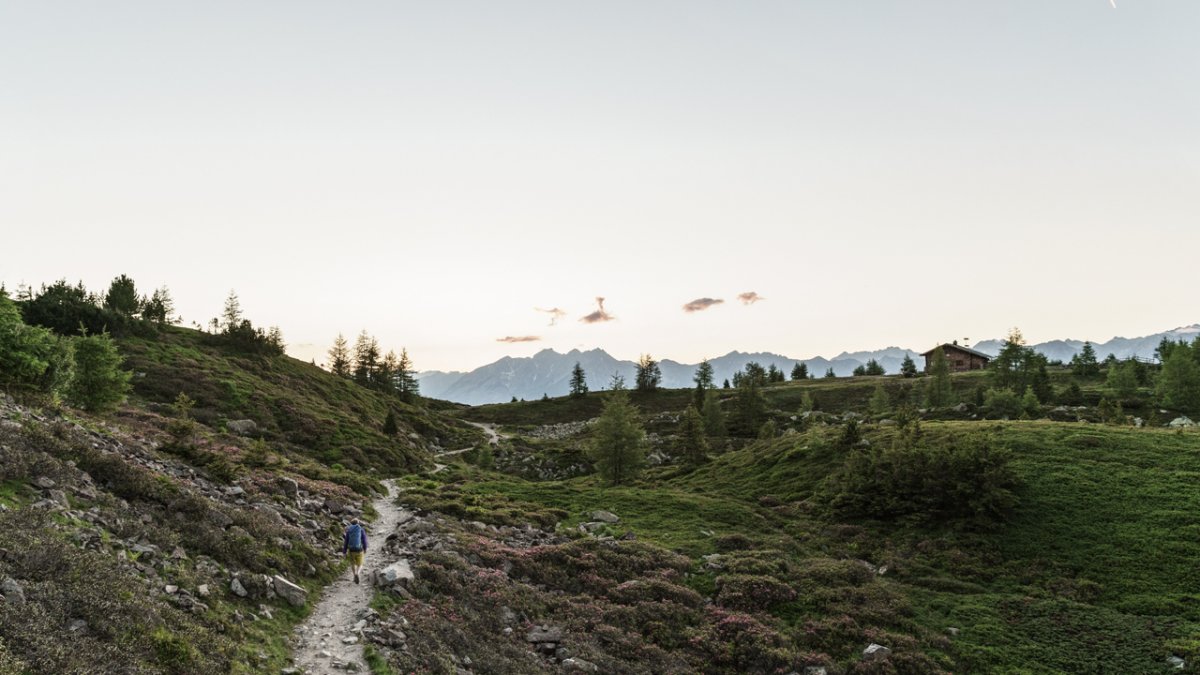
{"x":355,"y":538}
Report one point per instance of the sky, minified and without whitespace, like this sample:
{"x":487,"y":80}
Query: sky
{"x":878,"y":173}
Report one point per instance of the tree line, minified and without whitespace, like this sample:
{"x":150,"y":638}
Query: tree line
{"x":365,"y":365}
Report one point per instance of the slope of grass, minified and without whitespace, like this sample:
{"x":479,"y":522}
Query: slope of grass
{"x":1094,"y":572}
{"x":318,"y":415}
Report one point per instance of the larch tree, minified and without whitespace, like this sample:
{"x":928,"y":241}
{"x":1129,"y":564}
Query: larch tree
{"x":406,"y":378}
{"x":619,"y":442}
{"x":690,"y":441}
{"x":579,"y":387}
{"x":339,"y":357}
{"x":648,"y":374}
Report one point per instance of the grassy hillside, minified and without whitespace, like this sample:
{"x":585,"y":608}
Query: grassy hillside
{"x":1093,"y":572}
{"x":295,"y":405}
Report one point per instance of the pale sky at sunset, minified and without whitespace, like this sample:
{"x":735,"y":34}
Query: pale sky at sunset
{"x":881,"y":173}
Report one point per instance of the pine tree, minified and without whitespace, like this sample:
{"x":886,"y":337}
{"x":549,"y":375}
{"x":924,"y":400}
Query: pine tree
{"x":339,"y":357}
{"x":158,"y":307}
{"x":725,"y":385}
{"x":859,"y":370}
{"x":907,"y":367}
{"x":99,"y":384}
{"x":873,"y":368}
{"x":579,"y":387}
{"x":122,"y":296}
{"x":829,"y":374}
{"x":1084,"y":363}
{"x":231,"y":316}
{"x":648,"y":374}
{"x":366,"y":357}
{"x":1122,"y":380}
{"x":406,"y":378}
{"x":800,"y":371}
{"x":1031,"y":407}
{"x":1179,"y":381}
{"x":938,"y":393}
{"x":774,"y":374}
{"x":704,"y":381}
{"x":390,"y":427}
{"x":880,"y":403}
{"x":714,"y":420}
{"x":749,"y":408}
{"x":691,"y":443}
{"x":385,"y":372}
{"x":618,"y":444}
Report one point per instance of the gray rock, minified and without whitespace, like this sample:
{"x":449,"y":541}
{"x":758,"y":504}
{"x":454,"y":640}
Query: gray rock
{"x":295,"y":595}
{"x":241,"y":427}
{"x":44,"y":483}
{"x":203,"y":591}
{"x":544,"y":635}
{"x":399,"y":572}
{"x":875,"y":652}
{"x":815,"y":670}
{"x":1181,"y":422}
{"x":579,"y":665}
{"x":605,"y":516}
{"x":237,"y":588}
{"x":12,"y":591}
{"x":1175,"y":662}
{"x":235,"y":491}
{"x":58,"y":496}
{"x":289,"y":485}
{"x":78,"y":626}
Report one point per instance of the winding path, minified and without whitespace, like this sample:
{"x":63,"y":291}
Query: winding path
{"x":330,"y":638}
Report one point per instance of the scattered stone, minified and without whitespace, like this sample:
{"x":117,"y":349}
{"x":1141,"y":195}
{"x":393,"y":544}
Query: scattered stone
{"x":351,"y":640}
{"x":235,"y":491}
{"x":78,"y":626}
{"x":12,"y":591}
{"x":398,"y":572}
{"x":295,"y":595}
{"x":241,"y":427}
{"x":875,"y":652}
{"x":605,"y":516}
{"x":814,"y":670}
{"x":289,"y":485}
{"x":178,"y":554}
{"x":171,"y":589}
{"x":1181,"y":422}
{"x":44,"y":483}
{"x":544,"y":634}
{"x":952,"y":631}
{"x":579,"y":665}
{"x":237,"y":588}
{"x":59,"y":497}
{"x":203,"y":591}
{"x":1175,"y":662}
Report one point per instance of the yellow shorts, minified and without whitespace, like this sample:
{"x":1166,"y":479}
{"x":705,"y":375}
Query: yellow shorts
{"x":355,"y":558}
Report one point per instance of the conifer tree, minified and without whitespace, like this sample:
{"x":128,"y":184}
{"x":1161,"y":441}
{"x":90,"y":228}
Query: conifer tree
{"x":1179,"y":382}
{"x":800,"y":371}
{"x":390,"y":427}
{"x":880,"y":403}
{"x":938,"y":393}
{"x":579,"y":387}
{"x":726,"y":384}
{"x":907,"y":367}
{"x":749,"y":408}
{"x":704,"y":381}
{"x":872,"y":367}
{"x":691,"y":443}
{"x":829,"y":374}
{"x":1084,"y":363}
{"x":406,"y":378}
{"x":366,"y":357}
{"x":122,"y":296}
{"x":618,"y":444}
{"x":714,"y":420}
{"x":648,"y":374}
{"x":339,"y":357}
{"x":1122,"y":380}
{"x":159,"y":307}
{"x":231,"y":316}
{"x":99,"y":384}
{"x":386,"y":371}
{"x":1030,"y":406}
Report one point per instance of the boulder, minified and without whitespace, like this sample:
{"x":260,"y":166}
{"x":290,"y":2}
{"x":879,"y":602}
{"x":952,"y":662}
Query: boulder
{"x":44,"y":483}
{"x":1176,"y":662}
{"x":875,"y":652}
{"x":58,"y":496}
{"x":399,"y":572}
{"x":544,"y":634}
{"x":1181,"y":422}
{"x":605,"y":516}
{"x":237,"y":588}
{"x":202,"y":590}
{"x":289,"y":486}
{"x":579,"y":665}
{"x":815,"y":670}
{"x":12,"y":591}
{"x":241,"y":427}
{"x":295,"y":595}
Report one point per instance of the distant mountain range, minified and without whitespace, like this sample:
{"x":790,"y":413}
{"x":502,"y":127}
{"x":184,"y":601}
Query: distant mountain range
{"x":549,"y":372}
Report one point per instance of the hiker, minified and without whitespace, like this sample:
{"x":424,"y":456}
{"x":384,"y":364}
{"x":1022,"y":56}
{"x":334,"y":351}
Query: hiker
{"x":354,"y":546}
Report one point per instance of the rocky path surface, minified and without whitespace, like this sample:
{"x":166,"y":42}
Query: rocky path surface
{"x":330,"y":640}
{"x":493,"y":435}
